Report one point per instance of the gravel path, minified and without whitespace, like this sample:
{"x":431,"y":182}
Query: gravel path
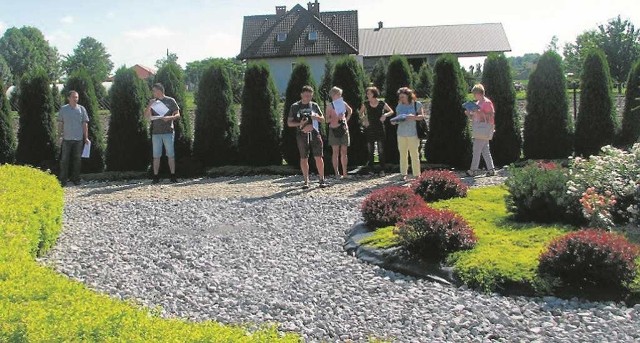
{"x":258,"y":250}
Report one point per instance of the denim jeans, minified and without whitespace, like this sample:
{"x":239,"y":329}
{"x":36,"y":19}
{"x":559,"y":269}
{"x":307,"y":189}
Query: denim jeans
{"x":71,"y":154}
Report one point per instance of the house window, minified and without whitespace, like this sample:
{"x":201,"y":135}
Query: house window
{"x":281,"y":36}
{"x":313,"y":36}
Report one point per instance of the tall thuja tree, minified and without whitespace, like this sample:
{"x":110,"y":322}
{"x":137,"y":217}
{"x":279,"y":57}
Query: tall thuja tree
{"x":300,"y":76}
{"x":449,"y":136}
{"x":506,"y":145}
{"x":424,"y":81}
{"x":379,"y":74}
{"x":170,"y":75}
{"x":399,"y":74}
{"x":128,"y":144}
{"x":327,"y":81}
{"x":81,"y":82}
{"x":596,"y":123}
{"x":216,"y":131}
{"x":348,"y":75}
{"x":548,"y":126}
{"x":259,"y":142}
{"x":36,"y":135}
{"x":7,"y":135}
{"x":630,"y":132}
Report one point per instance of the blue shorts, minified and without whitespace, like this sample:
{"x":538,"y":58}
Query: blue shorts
{"x":166,"y":139}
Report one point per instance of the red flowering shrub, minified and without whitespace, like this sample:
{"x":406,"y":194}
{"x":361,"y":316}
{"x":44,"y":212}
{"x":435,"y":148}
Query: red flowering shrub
{"x":589,"y":259}
{"x":385,"y":206}
{"x":434,"y":185}
{"x":431,"y":233}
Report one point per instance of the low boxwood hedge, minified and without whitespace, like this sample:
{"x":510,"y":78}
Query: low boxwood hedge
{"x":39,"y":305}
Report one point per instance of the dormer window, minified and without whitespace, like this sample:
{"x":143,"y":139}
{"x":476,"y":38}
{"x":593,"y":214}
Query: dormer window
{"x":313,"y":36}
{"x":281,"y":37}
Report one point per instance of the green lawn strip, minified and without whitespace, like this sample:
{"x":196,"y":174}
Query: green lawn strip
{"x":39,"y":305}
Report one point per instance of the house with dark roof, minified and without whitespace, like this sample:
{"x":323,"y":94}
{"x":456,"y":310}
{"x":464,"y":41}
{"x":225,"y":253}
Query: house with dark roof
{"x":282,"y":38}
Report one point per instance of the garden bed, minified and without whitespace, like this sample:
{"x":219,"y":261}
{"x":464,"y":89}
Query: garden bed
{"x":505,"y":259}
{"x":39,"y":305}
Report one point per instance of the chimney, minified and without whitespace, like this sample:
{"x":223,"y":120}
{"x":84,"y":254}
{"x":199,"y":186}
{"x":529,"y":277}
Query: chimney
{"x":281,"y":10}
{"x":314,"y":7}
{"x":380,"y":25}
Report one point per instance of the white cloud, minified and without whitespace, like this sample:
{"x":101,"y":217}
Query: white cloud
{"x":111,"y":15}
{"x":149,"y":32}
{"x":67,"y":20}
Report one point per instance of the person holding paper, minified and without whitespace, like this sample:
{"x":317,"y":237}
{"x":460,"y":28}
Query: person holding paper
{"x":73,"y":123}
{"x":484,"y":113}
{"x":162,"y":111}
{"x":409,"y":111}
{"x":338,"y":115}
{"x":306,"y":116}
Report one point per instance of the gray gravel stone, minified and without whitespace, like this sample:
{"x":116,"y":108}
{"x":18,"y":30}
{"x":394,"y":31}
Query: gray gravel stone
{"x":280,"y":260}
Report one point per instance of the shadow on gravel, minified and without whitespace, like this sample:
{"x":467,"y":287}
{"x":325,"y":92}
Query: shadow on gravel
{"x":99,"y":190}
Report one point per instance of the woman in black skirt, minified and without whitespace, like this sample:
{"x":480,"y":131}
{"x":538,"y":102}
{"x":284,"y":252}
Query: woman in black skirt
{"x":373,"y":113}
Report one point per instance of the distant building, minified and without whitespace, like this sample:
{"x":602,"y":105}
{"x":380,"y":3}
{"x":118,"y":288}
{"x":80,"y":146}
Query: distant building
{"x":422,"y":43}
{"x":282,"y":38}
{"x":143,"y":72}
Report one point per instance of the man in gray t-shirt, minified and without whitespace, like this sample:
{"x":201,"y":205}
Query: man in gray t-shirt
{"x":73,"y":124}
{"x":162,"y":134}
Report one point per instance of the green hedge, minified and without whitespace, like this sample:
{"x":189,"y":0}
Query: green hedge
{"x":39,"y":305}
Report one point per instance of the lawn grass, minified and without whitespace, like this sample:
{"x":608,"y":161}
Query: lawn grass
{"x":507,"y":252}
{"x":39,"y":305}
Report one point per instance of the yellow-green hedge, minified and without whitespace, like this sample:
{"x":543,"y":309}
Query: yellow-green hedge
{"x":39,"y":305}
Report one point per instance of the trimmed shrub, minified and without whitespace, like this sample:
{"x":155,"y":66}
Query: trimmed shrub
{"x":630,"y":131}
{"x":434,"y":185}
{"x":449,"y":135}
{"x":259,"y":141}
{"x":53,"y":308}
{"x":128,"y":143}
{"x":537,"y":192}
{"x":548,"y":127}
{"x":506,"y":146}
{"x":385,"y":206}
{"x":7,"y":133}
{"x":424,"y":81}
{"x":216,"y":132}
{"x":596,"y":123}
{"x":379,"y":75}
{"x":434,"y":234}
{"x":399,"y":74}
{"x":300,"y":76}
{"x":170,"y":75}
{"x":327,"y":81}
{"x":349,"y":76}
{"x":591,"y":259}
{"x":36,"y":134}
{"x":81,"y":82}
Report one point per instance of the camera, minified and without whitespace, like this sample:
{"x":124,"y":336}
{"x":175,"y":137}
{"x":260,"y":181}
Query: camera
{"x":303,"y":114}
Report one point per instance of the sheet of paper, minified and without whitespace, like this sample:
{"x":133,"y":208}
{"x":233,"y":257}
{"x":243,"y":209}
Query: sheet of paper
{"x":340,"y":106}
{"x":86,"y":152}
{"x":160,"y":108}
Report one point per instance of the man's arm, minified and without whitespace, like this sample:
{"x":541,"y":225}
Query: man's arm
{"x":318,"y":116}
{"x":291,"y":122}
{"x":60,"y":126}
{"x":85,"y":132}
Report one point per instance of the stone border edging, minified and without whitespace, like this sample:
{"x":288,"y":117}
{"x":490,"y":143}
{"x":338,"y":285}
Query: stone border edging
{"x":395,"y":259}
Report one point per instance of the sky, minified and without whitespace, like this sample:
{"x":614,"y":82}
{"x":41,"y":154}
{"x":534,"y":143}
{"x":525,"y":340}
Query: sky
{"x":140,"y":32}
